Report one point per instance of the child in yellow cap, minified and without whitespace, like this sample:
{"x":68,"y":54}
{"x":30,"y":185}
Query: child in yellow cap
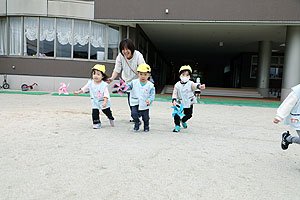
{"x":99,"y":94}
{"x":183,"y":93}
{"x":142,"y":95}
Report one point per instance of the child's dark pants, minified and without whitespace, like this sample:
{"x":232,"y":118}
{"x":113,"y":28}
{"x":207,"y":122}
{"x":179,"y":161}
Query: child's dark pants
{"x":188,"y":114}
{"x":136,"y":113}
{"x":96,"y":118}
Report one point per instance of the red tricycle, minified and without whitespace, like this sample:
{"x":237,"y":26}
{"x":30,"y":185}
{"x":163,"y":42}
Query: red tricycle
{"x":26,"y":87}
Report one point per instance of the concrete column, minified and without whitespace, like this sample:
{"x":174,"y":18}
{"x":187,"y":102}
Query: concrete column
{"x":263,"y":72}
{"x":291,"y":68}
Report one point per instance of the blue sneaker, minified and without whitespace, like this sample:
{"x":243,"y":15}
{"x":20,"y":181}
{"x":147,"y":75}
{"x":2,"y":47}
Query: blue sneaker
{"x":184,"y":124}
{"x":97,"y":126}
{"x":176,"y":129}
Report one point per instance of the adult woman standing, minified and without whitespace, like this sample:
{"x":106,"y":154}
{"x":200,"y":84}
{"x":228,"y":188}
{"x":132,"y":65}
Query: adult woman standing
{"x":127,"y":61}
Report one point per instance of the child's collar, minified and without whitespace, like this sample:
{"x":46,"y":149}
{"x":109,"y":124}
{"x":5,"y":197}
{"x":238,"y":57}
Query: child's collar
{"x":143,"y":83}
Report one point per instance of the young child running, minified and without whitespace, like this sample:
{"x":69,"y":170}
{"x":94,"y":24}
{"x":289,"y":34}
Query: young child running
{"x":289,"y":110}
{"x":141,"y":97}
{"x":99,"y":95}
{"x":183,"y":94}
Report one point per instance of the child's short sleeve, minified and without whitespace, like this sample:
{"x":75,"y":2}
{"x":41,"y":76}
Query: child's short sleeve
{"x":85,"y":88}
{"x":296,"y":90}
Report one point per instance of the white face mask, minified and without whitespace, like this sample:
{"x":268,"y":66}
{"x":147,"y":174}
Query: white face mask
{"x":184,"y":79}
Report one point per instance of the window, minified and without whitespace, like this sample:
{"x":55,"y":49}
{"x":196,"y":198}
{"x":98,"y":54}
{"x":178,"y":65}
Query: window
{"x":276,"y":67}
{"x":30,"y":36}
{"x":63,"y":37}
{"x":3,"y":36}
{"x":15,"y":33}
{"x":97,"y":41}
{"x":81,"y":39}
{"x":47,"y":34}
{"x":254,"y":66}
{"x":113,"y":42}
{"x":58,"y":37}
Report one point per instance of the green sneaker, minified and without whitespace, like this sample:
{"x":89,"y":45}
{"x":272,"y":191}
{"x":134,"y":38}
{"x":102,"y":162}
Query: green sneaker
{"x":176,"y":129}
{"x":184,"y":124}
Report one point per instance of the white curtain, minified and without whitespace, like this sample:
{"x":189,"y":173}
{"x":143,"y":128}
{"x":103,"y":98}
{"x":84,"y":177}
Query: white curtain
{"x":31,"y":28}
{"x":81,"y":32}
{"x":3,"y":36}
{"x":64,"y":31}
{"x":47,"y":31}
{"x":98,"y":35}
{"x":113,"y":38}
{"x":15,"y":31}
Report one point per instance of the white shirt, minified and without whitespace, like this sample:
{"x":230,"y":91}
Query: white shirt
{"x":287,"y":105}
{"x":121,"y":65}
{"x":86,"y":89}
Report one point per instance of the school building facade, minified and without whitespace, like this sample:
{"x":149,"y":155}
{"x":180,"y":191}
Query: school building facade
{"x":229,"y":44}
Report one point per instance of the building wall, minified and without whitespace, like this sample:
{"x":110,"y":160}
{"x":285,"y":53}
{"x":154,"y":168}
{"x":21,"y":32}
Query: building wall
{"x":71,"y":8}
{"x":57,"y":8}
{"x":2,"y":7}
{"x":28,"y":7}
{"x":49,"y":67}
{"x":204,"y":10}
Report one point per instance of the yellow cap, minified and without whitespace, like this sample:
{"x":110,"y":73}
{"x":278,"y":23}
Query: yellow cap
{"x":143,"y":67}
{"x":185,"y":67}
{"x":99,"y":67}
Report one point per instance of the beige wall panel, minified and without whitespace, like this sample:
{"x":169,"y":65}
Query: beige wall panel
{"x":72,"y":9}
{"x":2,"y":7}
{"x":27,"y":7}
{"x":47,"y":83}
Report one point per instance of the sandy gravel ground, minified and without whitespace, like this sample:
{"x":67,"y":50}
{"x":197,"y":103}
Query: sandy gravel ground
{"x":48,"y":150}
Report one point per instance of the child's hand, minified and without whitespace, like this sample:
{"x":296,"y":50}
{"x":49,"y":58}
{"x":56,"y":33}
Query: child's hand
{"x":174,"y":103}
{"x":104,"y":105}
{"x":148,"y":102}
{"x":276,"y":121}
{"x":109,"y":80}
{"x":202,"y":86}
{"x":76,"y":93}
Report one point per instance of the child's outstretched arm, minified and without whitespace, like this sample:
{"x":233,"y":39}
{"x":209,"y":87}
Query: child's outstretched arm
{"x":130,"y":86}
{"x":197,"y":86}
{"x":285,"y":108}
{"x":78,"y":92}
{"x":85,"y":88}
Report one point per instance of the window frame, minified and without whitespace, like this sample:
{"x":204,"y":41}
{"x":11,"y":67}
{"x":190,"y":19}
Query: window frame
{"x":7,"y":43}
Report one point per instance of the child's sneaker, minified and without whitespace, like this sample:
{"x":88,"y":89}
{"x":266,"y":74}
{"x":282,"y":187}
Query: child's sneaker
{"x":176,"y":129}
{"x":146,"y":129}
{"x":284,"y":143}
{"x":96,"y":126}
{"x":136,"y":126}
{"x":184,"y":124}
{"x":112,"y":122}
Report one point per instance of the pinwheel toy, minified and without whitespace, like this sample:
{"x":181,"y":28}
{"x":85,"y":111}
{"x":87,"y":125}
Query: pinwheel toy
{"x":121,"y":87}
{"x":178,"y":111}
{"x":63,"y":89}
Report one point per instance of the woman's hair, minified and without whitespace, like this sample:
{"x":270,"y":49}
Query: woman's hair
{"x":127,"y":43}
{"x":105,"y":77}
{"x":182,"y":71}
